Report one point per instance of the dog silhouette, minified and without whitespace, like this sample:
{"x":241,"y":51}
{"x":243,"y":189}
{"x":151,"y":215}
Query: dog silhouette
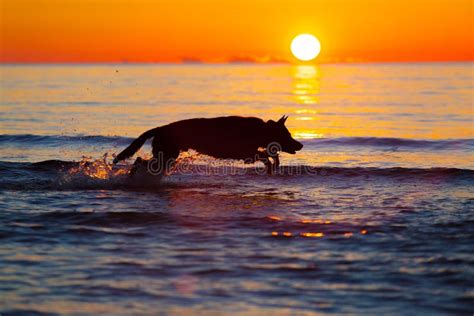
{"x":232,"y":137}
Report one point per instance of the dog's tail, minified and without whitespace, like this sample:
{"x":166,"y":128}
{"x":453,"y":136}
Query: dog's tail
{"x":135,"y":145}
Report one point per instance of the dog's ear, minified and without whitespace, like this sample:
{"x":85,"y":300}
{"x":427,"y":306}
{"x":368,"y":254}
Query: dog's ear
{"x":282,"y":120}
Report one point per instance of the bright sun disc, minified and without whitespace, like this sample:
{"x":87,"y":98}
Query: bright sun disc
{"x":305,"y":47}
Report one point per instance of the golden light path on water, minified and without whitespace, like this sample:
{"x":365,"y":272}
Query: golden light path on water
{"x":306,"y":92}
{"x":379,"y":100}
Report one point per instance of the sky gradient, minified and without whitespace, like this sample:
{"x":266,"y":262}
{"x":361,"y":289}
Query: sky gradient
{"x":229,"y":31}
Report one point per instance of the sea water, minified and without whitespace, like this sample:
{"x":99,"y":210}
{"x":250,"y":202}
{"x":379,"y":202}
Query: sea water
{"x":374,"y":215}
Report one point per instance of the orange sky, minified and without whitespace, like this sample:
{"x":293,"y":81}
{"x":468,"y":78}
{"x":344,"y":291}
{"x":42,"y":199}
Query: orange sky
{"x":216,"y":31}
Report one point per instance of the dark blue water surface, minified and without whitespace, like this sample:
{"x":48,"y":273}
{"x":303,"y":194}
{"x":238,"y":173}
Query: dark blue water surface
{"x":322,"y":239}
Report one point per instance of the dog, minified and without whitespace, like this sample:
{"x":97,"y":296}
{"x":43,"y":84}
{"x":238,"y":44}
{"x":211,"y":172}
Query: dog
{"x":232,"y":137}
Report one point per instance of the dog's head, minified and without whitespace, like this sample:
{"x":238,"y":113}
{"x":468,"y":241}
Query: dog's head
{"x":279,"y":134}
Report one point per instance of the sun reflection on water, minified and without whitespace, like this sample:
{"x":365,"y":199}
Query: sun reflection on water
{"x":313,"y":228}
{"x":306,"y":84}
{"x":307,"y":134}
{"x":306,"y":90}
{"x":274,"y":218}
{"x":318,"y":234}
{"x":316,"y":221}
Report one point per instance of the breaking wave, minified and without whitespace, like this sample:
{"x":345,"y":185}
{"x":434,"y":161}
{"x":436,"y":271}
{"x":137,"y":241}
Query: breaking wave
{"x":100,"y":174}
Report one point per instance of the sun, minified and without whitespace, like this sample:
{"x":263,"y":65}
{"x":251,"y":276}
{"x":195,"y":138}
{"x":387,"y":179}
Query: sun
{"x":305,"y":47}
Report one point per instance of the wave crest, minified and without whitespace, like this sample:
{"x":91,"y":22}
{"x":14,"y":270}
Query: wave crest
{"x":99,"y":174}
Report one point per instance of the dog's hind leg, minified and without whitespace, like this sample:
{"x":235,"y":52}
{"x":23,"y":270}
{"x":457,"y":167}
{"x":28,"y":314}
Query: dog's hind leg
{"x":136,"y":166}
{"x":170,"y":160}
{"x":164,"y":157}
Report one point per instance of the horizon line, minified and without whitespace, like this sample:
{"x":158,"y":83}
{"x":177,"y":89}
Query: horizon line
{"x":314,"y":63}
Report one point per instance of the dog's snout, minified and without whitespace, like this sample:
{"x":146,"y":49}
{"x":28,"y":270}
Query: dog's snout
{"x":298,"y":145}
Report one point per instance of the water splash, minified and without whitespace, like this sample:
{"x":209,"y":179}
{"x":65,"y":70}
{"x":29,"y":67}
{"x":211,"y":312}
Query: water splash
{"x":96,"y":173}
{"x":98,"y":169}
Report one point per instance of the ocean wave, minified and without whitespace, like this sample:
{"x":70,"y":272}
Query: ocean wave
{"x":442,"y":144}
{"x":98,"y":174}
{"x":64,"y":140}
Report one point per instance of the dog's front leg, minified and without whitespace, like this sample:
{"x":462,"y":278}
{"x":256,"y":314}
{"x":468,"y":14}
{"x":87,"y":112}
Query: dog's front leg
{"x":265,"y":158}
{"x":269,"y":167}
{"x":276,"y":161}
{"x":272,"y":164}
